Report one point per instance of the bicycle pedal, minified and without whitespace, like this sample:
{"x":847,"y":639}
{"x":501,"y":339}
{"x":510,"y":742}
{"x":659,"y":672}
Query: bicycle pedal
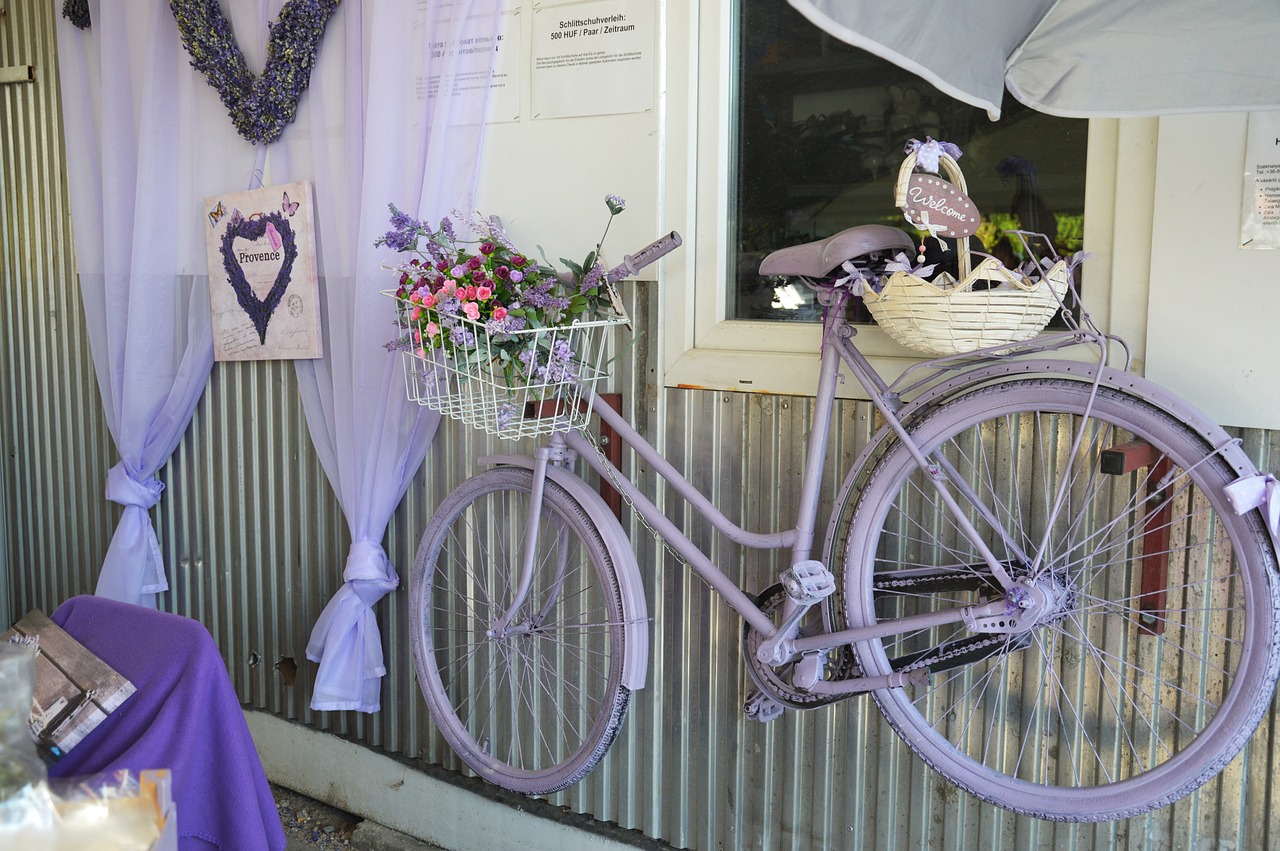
{"x":760,"y":707}
{"x":807,"y":582}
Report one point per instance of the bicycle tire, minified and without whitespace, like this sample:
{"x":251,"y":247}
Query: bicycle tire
{"x":536,"y":710}
{"x":1123,"y":702}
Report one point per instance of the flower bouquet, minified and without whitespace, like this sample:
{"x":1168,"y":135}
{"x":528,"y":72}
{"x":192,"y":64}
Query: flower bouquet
{"x":491,"y":337}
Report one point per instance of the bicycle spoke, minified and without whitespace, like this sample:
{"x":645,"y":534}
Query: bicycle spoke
{"x":1152,"y":612}
{"x":526,"y":707}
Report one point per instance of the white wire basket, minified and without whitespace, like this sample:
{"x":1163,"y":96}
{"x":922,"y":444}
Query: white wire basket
{"x":545,"y":382}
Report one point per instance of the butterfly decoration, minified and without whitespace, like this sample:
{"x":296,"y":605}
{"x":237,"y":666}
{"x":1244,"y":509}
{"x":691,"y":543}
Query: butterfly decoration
{"x":289,"y":208}
{"x":216,"y":213}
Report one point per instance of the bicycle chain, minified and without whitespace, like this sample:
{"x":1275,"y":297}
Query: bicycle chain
{"x":963,"y":652}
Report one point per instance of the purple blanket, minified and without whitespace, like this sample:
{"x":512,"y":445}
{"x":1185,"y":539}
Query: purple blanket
{"x":185,"y":716}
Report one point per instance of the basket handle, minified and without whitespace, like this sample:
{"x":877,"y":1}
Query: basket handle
{"x":947,"y":164}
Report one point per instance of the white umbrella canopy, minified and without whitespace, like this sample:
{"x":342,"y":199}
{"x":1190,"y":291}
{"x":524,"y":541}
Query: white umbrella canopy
{"x":1075,"y":58}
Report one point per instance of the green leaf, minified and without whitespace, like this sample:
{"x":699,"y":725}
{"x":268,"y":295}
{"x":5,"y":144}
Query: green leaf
{"x":573,"y":267}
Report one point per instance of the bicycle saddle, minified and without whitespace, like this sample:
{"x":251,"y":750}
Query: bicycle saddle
{"x":816,"y":259}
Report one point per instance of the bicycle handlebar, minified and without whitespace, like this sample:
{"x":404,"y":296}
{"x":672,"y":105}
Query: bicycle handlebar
{"x":632,"y":263}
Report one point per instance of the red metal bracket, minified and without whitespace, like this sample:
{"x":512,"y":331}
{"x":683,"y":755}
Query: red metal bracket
{"x":1118,"y":460}
{"x":612,"y":447}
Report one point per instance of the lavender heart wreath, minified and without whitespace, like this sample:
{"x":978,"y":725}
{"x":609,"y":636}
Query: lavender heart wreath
{"x":259,"y":310}
{"x":260,"y":107}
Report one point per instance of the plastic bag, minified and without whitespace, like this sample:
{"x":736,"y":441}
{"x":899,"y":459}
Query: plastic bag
{"x":113,"y":812}
{"x":20,"y":765}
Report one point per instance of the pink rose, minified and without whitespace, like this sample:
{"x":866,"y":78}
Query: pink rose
{"x":415,"y":313}
{"x":484,"y":293}
{"x":471,"y":309}
{"x":432,"y":329}
{"x":429,"y":300}
{"x":499,"y":313}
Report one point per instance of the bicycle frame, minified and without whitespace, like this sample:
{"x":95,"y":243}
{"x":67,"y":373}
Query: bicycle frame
{"x":945,"y":378}
{"x":838,"y":350}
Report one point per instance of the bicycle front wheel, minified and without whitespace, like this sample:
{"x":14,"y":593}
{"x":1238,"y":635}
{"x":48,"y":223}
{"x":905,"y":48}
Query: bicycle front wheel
{"x":534,"y":708}
{"x":1157,"y":656}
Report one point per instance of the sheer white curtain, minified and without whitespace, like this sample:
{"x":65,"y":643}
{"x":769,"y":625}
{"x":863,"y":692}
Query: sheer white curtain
{"x":386,"y":119}
{"x":386,"y":141}
{"x":140,"y":158}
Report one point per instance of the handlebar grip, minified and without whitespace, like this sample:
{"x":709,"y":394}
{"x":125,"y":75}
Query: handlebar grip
{"x":633,"y":263}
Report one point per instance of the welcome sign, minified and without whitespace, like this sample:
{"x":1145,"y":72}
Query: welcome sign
{"x":262,"y":274}
{"x":932,"y":199}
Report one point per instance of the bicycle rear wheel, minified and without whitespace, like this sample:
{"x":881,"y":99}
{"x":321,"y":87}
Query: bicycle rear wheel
{"x":536,"y":709}
{"x":1158,"y":656}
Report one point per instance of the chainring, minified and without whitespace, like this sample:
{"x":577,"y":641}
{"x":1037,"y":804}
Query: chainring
{"x":776,"y":681}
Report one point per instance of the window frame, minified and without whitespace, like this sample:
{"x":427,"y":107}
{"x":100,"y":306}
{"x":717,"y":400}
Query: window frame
{"x":704,"y":349}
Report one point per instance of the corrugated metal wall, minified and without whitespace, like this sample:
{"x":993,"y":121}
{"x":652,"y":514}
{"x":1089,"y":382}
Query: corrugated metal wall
{"x":255,"y":544}
{"x":56,"y":446}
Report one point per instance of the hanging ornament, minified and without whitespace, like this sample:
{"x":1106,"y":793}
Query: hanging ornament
{"x":260,"y":107}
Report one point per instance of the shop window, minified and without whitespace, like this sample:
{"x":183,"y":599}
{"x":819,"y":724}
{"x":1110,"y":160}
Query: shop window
{"x":819,"y":131}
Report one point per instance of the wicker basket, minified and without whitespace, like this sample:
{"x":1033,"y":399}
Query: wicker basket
{"x":949,"y":318}
{"x":521,"y":400}
{"x":988,"y":306}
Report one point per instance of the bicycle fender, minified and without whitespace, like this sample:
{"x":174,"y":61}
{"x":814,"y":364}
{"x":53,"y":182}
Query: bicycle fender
{"x":635,"y":610}
{"x":987,"y":373}
{"x":1116,"y":379}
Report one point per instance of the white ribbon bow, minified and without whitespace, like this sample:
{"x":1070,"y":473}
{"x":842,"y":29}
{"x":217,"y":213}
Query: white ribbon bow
{"x":1262,"y":492}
